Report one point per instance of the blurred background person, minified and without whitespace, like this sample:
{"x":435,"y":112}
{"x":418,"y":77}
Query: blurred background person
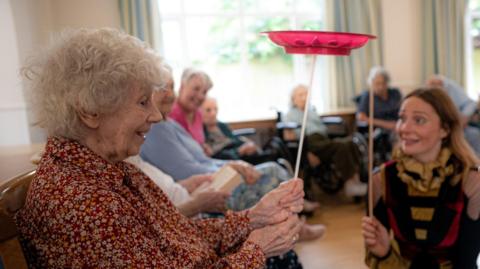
{"x":466,"y":106}
{"x":386,"y":100}
{"x":341,"y":154}
{"x":225,"y":145}
{"x":194,"y":86}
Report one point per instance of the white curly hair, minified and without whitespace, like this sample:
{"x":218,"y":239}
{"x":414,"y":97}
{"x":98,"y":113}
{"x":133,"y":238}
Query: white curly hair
{"x":89,"y":70}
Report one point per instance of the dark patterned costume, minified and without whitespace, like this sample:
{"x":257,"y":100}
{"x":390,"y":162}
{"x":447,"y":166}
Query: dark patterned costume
{"x":425,"y":207}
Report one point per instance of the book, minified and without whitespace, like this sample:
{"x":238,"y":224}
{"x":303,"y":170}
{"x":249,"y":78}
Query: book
{"x":226,"y":179}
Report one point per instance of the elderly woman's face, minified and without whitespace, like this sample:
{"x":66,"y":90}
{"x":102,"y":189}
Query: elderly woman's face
{"x":164,"y":98}
{"x":122,"y":133}
{"x":379,"y":84}
{"x":209,"y":111}
{"x":192,"y":93}
{"x":299,"y":97}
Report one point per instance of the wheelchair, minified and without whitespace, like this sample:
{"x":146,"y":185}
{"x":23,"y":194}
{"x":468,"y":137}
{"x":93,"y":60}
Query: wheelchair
{"x":325,"y":175}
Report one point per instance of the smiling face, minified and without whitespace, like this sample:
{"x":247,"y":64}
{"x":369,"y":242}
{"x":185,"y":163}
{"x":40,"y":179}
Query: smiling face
{"x":121,"y":134}
{"x":420,"y":130}
{"x":192,"y":93}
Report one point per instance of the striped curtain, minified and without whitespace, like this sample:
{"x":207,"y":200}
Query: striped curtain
{"x":137,"y":18}
{"x":350,"y":72}
{"x":443,"y":38}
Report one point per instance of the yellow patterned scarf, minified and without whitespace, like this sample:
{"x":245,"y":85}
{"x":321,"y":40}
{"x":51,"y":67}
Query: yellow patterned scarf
{"x":426,"y":180}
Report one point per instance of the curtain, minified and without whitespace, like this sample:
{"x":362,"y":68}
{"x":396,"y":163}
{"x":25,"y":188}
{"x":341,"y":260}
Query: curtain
{"x":137,"y":18}
{"x":350,"y":72}
{"x":443,"y":38}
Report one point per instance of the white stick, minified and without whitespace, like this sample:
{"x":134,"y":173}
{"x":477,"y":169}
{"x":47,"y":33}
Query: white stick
{"x":305,"y":114}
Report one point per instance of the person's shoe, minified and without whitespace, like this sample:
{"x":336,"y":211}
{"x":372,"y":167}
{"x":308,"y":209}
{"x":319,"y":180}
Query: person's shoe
{"x":311,"y":232}
{"x":354,"y":188}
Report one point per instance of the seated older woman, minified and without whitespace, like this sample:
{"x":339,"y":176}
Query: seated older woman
{"x":171,"y":149}
{"x":86,"y":207}
{"x":194,"y":86}
{"x":341,"y":153}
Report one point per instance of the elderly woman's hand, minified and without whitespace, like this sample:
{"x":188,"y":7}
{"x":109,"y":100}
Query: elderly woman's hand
{"x":277,"y":239}
{"x":246,"y":170}
{"x":192,"y":183}
{"x":209,"y":200}
{"x":207,"y":149}
{"x":247,"y":148}
{"x":277,"y":205}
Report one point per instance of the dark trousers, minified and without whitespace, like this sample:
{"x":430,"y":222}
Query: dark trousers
{"x":341,"y":153}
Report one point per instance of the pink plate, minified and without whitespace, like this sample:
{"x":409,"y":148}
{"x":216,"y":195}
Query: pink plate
{"x":316,"y":42}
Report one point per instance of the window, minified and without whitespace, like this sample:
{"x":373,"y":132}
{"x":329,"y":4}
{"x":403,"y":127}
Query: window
{"x":473,"y":48}
{"x":252,"y":77}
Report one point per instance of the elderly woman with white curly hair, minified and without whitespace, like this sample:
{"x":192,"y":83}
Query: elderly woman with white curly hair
{"x":86,"y":207}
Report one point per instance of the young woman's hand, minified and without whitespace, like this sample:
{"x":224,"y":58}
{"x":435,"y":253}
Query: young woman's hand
{"x":375,"y":236}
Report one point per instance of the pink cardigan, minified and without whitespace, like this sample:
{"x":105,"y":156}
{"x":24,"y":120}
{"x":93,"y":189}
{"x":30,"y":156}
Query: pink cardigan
{"x":195,"y":129}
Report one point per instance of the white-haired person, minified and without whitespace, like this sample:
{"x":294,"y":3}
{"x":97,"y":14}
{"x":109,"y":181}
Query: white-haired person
{"x":386,"y":100}
{"x":172,"y":150}
{"x":87,"y":208}
{"x":466,"y":106}
{"x":226,"y":146}
{"x":341,"y":154}
{"x":194,"y":86}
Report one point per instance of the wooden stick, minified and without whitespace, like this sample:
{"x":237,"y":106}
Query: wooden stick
{"x":370,"y":154}
{"x":305,"y":114}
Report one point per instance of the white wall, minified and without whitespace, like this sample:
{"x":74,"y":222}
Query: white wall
{"x":402,"y":42}
{"x":13,"y":118}
{"x":26,"y":27}
{"x":85,"y":13}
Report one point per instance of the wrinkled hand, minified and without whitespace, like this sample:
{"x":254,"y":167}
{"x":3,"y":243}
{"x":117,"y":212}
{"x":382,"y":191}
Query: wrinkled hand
{"x":277,"y":205}
{"x":277,"y":239}
{"x":247,"y":148}
{"x":247,"y":170}
{"x":209,"y":200}
{"x":192,"y":183}
{"x":375,"y":236}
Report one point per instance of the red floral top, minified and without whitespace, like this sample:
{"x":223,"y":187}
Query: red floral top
{"x":82,"y":211}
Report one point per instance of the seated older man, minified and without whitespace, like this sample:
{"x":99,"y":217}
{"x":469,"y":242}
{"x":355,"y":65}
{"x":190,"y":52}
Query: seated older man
{"x":87,"y":208}
{"x":463,"y":103}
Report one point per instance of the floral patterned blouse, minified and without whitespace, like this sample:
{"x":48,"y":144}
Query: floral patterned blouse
{"x":82,"y":211}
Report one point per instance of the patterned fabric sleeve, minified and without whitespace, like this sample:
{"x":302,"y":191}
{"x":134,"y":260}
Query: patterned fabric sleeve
{"x":110,"y":238}
{"x":226,"y":234}
{"x":99,"y":232}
